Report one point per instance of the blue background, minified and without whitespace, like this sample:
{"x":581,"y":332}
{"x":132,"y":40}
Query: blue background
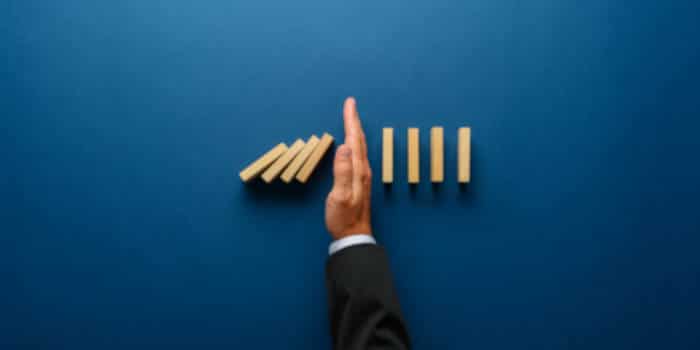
{"x":125,"y":123}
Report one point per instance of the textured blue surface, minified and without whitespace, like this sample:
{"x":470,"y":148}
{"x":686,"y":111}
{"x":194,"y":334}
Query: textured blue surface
{"x":124,"y":124}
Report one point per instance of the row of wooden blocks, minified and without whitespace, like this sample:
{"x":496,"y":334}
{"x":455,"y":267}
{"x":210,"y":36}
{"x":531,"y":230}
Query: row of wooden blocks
{"x":299,"y":160}
{"x":437,"y":155}
{"x":296,"y":161}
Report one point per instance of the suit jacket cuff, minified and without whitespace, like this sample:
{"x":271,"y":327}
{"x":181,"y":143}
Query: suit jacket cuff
{"x":350,"y":241}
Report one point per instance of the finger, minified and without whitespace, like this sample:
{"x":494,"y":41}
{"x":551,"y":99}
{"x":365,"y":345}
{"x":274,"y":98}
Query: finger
{"x":363,"y":138}
{"x":349,"y":117}
{"x":342,"y":172}
{"x":365,"y":160}
{"x":354,"y":138}
{"x":353,"y":125}
{"x":354,"y":135}
{"x":366,"y":171}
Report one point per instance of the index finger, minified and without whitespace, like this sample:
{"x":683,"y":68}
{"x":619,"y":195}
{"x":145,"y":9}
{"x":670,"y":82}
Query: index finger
{"x":354,"y":135}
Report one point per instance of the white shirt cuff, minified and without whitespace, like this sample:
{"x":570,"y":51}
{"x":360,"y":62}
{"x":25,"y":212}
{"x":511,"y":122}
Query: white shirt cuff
{"x":350,"y":241}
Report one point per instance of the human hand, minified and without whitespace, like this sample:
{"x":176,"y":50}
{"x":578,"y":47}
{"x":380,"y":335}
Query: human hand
{"x":348,"y":203}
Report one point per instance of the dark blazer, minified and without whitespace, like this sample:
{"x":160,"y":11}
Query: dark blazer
{"x":364,"y":308}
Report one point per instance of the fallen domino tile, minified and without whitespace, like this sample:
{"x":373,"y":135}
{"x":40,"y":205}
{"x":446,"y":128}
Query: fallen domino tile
{"x":276,"y":168}
{"x":255,"y":168}
{"x":323,"y":145}
{"x":296,"y":164}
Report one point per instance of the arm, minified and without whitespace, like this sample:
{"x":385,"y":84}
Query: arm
{"x":364,"y":308}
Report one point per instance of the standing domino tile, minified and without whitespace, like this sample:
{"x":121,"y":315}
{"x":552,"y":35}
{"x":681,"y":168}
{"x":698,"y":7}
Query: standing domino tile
{"x":387,"y":155}
{"x":255,"y":168}
{"x":293,"y":168}
{"x":413,"y":156}
{"x":437,"y":154}
{"x":323,"y":145}
{"x":464,"y":155}
{"x":276,"y":168}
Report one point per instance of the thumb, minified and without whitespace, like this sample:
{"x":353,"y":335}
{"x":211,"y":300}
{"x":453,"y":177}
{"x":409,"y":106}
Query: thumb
{"x":342,"y":171}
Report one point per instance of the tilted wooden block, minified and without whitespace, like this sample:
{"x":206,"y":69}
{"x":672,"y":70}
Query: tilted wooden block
{"x":387,"y":155}
{"x":413,"y":156}
{"x":437,"y":154}
{"x":276,"y":168}
{"x":323,"y":145}
{"x":464,"y":155}
{"x":255,"y":168}
{"x":296,"y":164}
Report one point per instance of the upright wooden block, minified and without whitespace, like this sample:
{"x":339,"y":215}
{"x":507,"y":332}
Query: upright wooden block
{"x":255,"y":168}
{"x":276,"y":168}
{"x":387,"y":155}
{"x":437,"y":154}
{"x":464,"y":155}
{"x":323,"y":145}
{"x":296,"y":164}
{"x":413,"y":156}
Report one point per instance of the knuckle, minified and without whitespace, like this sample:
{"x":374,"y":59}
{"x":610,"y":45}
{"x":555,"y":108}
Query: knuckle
{"x":340,"y":197}
{"x":343,"y":169}
{"x":366,"y":176}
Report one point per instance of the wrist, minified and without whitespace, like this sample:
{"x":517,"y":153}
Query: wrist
{"x":359,"y":230}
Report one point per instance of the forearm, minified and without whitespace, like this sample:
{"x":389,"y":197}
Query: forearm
{"x":364,"y":309}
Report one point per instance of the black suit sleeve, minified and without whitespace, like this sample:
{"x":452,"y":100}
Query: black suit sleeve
{"x":364,"y":308}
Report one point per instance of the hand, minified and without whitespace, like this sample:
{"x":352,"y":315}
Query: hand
{"x":348,"y":203}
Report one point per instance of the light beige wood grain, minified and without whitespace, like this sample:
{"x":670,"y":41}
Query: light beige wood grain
{"x":413,"y":156}
{"x":296,"y":164}
{"x":464,"y":155}
{"x":323,"y":145}
{"x":437,"y":154}
{"x":260,"y":164}
{"x":276,"y":168}
{"x":387,"y":155}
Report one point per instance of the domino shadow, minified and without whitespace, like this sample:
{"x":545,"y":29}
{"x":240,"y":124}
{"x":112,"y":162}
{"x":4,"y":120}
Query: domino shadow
{"x":317,"y":187}
{"x":465,"y":194}
{"x":468,"y":192}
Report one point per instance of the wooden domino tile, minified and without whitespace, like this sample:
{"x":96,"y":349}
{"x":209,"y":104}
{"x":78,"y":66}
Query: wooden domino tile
{"x":276,"y":168}
{"x":413,"y":156}
{"x":387,"y":155}
{"x":296,"y":164}
{"x":464,"y":155}
{"x":255,"y":168}
{"x":308,"y":168}
{"x":437,"y":155}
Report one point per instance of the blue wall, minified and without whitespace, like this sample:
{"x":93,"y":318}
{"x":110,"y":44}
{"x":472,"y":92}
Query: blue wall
{"x":125,"y":123}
